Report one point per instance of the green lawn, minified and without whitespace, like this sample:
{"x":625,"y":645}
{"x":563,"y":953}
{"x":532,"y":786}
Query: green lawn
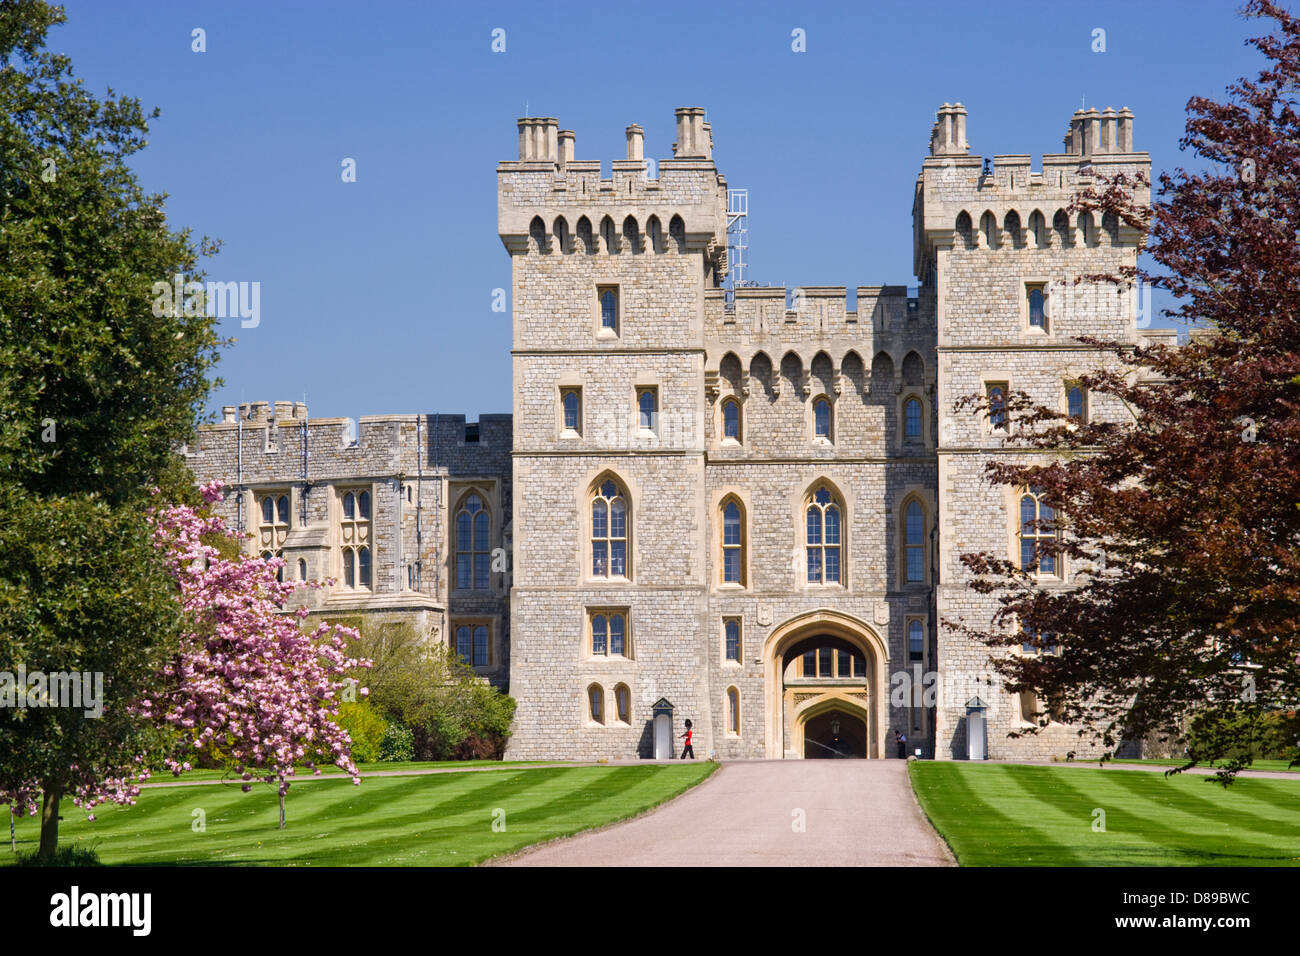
{"x":432,"y":820}
{"x":1006,"y":815}
{"x":1281,"y":765}
{"x":165,"y":776}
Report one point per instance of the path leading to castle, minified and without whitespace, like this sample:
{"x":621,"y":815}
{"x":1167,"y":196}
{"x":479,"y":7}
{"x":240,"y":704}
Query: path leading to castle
{"x":770,"y":813}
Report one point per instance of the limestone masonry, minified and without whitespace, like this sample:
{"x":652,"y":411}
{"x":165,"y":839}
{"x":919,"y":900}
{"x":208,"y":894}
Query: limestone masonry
{"x":746,"y":511}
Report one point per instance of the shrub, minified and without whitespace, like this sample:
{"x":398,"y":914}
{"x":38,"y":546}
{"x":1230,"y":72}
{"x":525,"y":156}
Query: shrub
{"x":398,"y":745}
{"x":366,"y":726}
{"x":451,"y":712}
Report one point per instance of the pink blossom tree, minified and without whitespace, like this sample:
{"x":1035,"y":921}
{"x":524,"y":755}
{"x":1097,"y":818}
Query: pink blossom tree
{"x":246,"y":677}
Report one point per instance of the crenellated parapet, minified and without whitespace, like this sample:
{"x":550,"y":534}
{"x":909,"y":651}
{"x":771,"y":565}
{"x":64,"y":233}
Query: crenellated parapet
{"x":551,"y":203}
{"x":965,"y":201}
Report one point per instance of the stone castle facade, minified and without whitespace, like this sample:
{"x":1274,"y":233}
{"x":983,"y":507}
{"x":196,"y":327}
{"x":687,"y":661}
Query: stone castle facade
{"x":746,"y":512}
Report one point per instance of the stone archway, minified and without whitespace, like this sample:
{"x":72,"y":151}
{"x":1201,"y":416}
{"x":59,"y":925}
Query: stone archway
{"x":861,"y":696}
{"x":832,"y":729}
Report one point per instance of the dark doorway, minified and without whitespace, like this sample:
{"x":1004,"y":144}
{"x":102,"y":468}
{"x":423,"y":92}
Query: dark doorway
{"x":834,"y":734}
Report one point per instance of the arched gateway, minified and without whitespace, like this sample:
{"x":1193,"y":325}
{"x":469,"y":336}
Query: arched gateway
{"x":824,"y":688}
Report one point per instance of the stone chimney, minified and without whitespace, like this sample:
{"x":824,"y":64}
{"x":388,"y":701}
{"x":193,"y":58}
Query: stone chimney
{"x":566,"y":140}
{"x":948,"y":135}
{"x":538,"y":139}
{"x":635,"y":143}
{"x":691,"y":137}
{"x":227,"y":414}
{"x":1109,"y":137}
{"x":1124,"y":131}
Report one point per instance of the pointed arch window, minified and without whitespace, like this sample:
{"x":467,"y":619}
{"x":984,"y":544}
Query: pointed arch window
{"x":914,"y":542}
{"x":731,"y":419}
{"x":1037,"y":532}
{"x":623,"y":704}
{"x":733,"y":543}
{"x":1037,"y":298}
{"x":997,"y":398}
{"x":731,"y":632}
{"x":733,"y":712}
{"x":822,"y":419}
{"x":823,"y":514}
{"x":607,"y":298}
{"x":912,"y":419}
{"x":609,"y":531}
{"x":609,"y":635}
{"x":473,"y":545}
{"x":596,"y":703}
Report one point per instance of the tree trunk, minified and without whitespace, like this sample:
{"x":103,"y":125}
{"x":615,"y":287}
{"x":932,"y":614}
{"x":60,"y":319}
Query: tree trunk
{"x":49,"y":824}
{"x":282,"y":811}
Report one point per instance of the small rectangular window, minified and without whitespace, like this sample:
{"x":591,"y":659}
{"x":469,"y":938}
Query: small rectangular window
{"x":471,"y":432}
{"x":647,"y":403}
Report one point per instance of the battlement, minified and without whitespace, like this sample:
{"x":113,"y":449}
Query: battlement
{"x":552,"y":199}
{"x":1002,"y":203}
{"x":813,"y":310}
{"x":259,"y":434}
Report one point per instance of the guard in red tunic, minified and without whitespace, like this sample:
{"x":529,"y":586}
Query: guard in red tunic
{"x":688,"y":749}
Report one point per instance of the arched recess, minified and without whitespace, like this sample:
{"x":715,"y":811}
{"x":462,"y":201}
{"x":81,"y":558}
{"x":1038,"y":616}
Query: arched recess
{"x":786,"y":639}
{"x":839,"y":699}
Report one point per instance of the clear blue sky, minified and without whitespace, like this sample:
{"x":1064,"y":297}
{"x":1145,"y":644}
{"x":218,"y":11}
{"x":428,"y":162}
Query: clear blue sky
{"x":376,"y":295}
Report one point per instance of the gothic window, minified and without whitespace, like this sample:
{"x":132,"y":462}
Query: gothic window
{"x":609,"y":531}
{"x":354,"y":539}
{"x":731,"y":629}
{"x":1036,"y":295}
{"x":731,"y":419}
{"x":823,"y":514}
{"x":915,"y":641}
{"x":623,"y":704}
{"x":914,"y":541}
{"x":596,"y":703}
{"x":997,"y":398}
{"x":607,"y":296}
{"x":912,"y":419}
{"x":1037,"y":531}
{"x":473,"y":545}
{"x":733,"y":543}
{"x":571,"y":404}
{"x":609,"y":637}
{"x":733,"y":711}
{"x":822,"y":419}
{"x":472,"y":644}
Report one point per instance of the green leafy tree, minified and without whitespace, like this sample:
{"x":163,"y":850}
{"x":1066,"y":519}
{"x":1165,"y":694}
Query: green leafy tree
{"x":97,"y":388}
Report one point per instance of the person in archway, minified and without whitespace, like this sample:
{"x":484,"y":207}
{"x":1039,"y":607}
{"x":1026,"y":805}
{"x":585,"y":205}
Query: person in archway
{"x":687,"y":748}
{"x":901,"y":740}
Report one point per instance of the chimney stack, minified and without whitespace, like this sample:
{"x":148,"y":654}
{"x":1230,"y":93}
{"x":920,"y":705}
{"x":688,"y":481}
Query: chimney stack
{"x":538,"y":139}
{"x":1124,"y":124}
{"x":692,"y":139}
{"x":566,"y":140}
{"x":948,"y":135}
{"x":635,"y":143}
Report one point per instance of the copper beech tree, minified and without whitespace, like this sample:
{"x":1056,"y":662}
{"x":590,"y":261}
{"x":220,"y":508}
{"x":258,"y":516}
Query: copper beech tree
{"x":1180,"y":524}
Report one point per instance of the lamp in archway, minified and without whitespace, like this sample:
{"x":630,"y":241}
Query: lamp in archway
{"x":835,"y":727}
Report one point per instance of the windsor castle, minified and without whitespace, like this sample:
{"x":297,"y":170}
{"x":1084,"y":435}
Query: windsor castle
{"x":747,"y":509}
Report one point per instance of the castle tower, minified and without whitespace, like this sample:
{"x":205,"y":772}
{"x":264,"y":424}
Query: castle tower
{"x":995,"y":242}
{"x":609,"y":277}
